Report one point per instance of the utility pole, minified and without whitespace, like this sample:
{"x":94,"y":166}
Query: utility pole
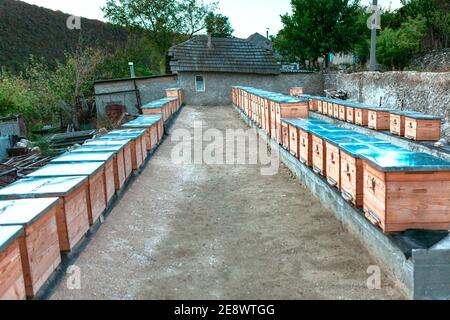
{"x":373,"y":41}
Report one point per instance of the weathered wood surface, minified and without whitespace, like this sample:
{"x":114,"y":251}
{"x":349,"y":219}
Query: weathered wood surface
{"x":12,"y":284}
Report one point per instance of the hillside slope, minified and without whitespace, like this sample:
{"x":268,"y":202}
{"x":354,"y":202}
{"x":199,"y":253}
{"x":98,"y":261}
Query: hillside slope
{"x":31,"y":30}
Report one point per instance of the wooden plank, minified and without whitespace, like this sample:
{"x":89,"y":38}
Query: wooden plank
{"x":110,"y":186}
{"x":40,"y":252}
{"x":97,"y":196}
{"x":12,"y":284}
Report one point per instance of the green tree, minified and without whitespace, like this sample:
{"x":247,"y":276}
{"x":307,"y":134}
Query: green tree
{"x":317,"y":28}
{"x":395,"y":47}
{"x":195,"y":15}
{"x":17,"y":98}
{"x":163,"y":20}
{"x":440,"y":22}
{"x":218,"y":25}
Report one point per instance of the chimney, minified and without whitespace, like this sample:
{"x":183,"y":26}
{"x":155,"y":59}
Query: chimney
{"x":209,"y":41}
{"x":132,"y":74}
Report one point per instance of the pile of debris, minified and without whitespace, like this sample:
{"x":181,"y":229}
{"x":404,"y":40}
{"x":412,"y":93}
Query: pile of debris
{"x":336,"y":94}
{"x":63,"y":141}
{"x":17,"y":167}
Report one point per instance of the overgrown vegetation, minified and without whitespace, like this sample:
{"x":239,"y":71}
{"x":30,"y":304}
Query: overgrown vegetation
{"x":320,"y":27}
{"x":47,"y":75}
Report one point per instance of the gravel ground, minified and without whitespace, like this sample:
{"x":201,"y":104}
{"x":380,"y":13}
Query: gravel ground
{"x":221,"y":232}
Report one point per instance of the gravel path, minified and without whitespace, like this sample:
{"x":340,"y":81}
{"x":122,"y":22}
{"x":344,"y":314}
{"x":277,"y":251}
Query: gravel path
{"x":221,"y":232}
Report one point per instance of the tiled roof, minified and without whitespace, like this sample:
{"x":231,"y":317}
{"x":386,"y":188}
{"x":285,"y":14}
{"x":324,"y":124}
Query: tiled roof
{"x":225,"y":55}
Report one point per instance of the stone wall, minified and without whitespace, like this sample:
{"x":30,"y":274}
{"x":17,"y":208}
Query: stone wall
{"x":418,"y":91}
{"x":218,"y":85}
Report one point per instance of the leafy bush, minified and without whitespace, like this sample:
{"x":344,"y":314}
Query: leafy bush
{"x":16,"y":98}
{"x":395,"y":47}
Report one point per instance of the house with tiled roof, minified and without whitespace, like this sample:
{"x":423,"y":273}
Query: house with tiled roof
{"x":207,"y":67}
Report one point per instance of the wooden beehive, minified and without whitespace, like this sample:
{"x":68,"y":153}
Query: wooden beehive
{"x":95,"y":171}
{"x":287,"y":109}
{"x":285,"y":135}
{"x":318,"y":156}
{"x":350,"y":114}
{"x":138,"y":148}
{"x":407,"y":191}
{"x":39,"y":244}
{"x":361,"y":116}
{"x":397,"y":124}
{"x":334,"y":140}
{"x":151,"y":124}
{"x":379,"y":119}
{"x":294,"y":141}
{"x":274,"y":132}
{"x":320,"y":106}
{"x":107,"y":158}
{"x":305,"y":128}
{"x":267,"y":117}
{"x":336,"y":110}
{"x":121,"y":172}
{"x":72,"y":214}
{"x":330,"y":109}
{"x":421,"y":127}
{"x":352,"y":173}
{"x":342,"y":112}
{"x":12,"y":284}
{"x":313,"y":104}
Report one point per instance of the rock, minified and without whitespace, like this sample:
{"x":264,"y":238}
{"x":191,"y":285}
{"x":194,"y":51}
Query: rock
{"x":441,"y":143}
{"x":36,"y":150}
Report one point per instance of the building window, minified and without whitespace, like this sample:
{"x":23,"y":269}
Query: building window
{"x":199,"y":84}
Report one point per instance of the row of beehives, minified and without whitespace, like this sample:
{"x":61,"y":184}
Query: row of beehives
{"x":165,"y":106}
{"x":398,"y":189}
{"x":409,"y":124}
{"x":52,"y":209}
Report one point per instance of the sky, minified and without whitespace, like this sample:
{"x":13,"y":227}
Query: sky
{"x":246,"y":16}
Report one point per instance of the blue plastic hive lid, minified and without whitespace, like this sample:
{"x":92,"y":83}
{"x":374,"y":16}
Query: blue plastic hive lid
{"x":404,"y":161}
{"x":102,"y":142}
{"x":132,"y":134}
{"x":158,"y":103}
{"x":36,"y":187}
{"x":142,"y":123}
{"x":68,"y":169}
{"x":350,"y":137}
{"x":7,"y":235}
{"x":98,"y":148}
{"x":359,"y":148}
{"x":24,"y":211}
{"x":416,"y":115}
{"x":83,"y":156}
